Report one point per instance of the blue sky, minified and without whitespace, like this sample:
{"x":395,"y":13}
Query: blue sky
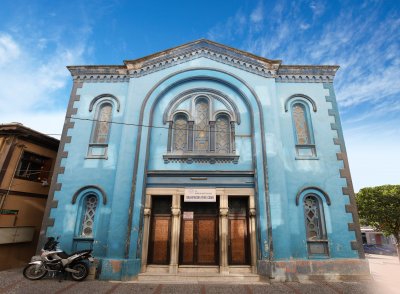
{"x":39,"y":38}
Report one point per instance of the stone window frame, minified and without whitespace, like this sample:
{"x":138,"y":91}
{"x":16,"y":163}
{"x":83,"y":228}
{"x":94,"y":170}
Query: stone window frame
{"x":100,"y":150}
{"x":191,"y":154}
{"x":80,"y":197}
{"x":322,"y":198}
{"x":308,"y":150}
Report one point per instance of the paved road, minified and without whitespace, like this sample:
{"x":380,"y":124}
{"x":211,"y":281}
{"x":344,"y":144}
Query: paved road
{"x":385,"y":271}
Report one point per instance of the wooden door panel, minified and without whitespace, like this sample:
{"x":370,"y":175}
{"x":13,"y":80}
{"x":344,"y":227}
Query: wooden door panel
{"x":206,"y":243}
{"x":187,"y":245}
{"x":159,"y":244}
{"x":238,"y":240}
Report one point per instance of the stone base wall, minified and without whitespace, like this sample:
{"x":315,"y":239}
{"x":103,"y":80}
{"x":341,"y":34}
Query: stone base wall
{"x":332,"y":269}
{"x":118,"y":269}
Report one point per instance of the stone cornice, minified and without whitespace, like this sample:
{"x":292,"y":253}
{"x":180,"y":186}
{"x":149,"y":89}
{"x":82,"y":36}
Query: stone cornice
{"x":99,"y":73}
{"x":208,"y":49}
{"x":306,"y":73}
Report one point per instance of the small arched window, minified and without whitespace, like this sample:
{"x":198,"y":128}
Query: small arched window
{"x":301,"y":125}
{"x":101,"y":127}
{"x":88,"y":217}
{"x":317,"y":241}
{"x":222,"y":134}
{"x":304,"y":138}
{"x":180,"y":133}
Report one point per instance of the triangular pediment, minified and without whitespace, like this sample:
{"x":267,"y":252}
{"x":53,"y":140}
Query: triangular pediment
{"x":203,"y":48}
{"x":207,"y":49}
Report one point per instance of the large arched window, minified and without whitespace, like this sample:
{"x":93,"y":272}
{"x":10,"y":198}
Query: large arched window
{"x":201,"y":128}
{"x":317,"y":241}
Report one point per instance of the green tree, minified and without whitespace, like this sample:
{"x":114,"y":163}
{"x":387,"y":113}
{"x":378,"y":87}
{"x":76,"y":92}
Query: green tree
{"x":379,"y":207}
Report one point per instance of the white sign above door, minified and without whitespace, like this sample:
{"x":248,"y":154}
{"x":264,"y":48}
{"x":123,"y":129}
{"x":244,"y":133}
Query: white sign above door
{"x":200,"y":195}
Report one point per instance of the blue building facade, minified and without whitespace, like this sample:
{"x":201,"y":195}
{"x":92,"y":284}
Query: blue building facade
{"x":206,"y":155}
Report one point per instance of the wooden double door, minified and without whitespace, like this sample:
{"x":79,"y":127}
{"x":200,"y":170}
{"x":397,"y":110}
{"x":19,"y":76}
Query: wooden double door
{"x":200,"y":227}
{"x":199,"y":242}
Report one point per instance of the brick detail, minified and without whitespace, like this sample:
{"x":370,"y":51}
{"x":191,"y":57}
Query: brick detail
{"x":50,"y":222}
{"x":54,"y":204}
{"x":356,"y":246}
{"x":58,"y":187}
{"x":345,"y":172}
{"x":351,"y":226}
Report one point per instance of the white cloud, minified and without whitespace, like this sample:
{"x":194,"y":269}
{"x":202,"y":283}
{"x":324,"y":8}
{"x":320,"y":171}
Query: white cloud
{"x":364,"y":41}
{"x":9,"y":50}
{"x":257,"y":16}
{"x":34,"y":83}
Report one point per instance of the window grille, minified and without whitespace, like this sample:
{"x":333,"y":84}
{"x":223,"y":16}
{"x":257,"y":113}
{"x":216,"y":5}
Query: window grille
{"x":317,"y":242}
{"x":88,"y":217}
{"x":180,"y":133}
{"x":202,"y":125}
{"x":222,"y":135}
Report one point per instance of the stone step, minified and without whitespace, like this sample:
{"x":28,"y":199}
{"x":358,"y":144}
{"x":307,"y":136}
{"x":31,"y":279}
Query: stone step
{"x":188,"y":274}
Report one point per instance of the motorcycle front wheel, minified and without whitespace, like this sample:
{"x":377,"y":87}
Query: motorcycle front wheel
{"x":34,"y":271}
{"x":83,"y":271}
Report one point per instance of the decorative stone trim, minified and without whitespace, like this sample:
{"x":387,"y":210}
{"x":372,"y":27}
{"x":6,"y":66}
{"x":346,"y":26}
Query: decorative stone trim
{"x":211,"y":53}
{"x":211,"y":50}
{"x":99,"y":73}
{"x":110,"y":96}
{"x":58,"y":169}
{"x":98,"y":188}
{"x":294,"y":96}
{"x":101,"y":78}
{"x":345,"y":171}
{"x":197,"y":158}
{"x":306,"y":74}
{"x":221,"y":97}
{"x":310,"y":188}
{"x":223,"y":212}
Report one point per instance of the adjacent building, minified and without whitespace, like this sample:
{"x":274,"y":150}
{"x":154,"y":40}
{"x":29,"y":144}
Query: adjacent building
{"x":206,"y":157}
{"x":27,"y":159}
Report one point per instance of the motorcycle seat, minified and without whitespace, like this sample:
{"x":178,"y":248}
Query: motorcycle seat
{"x":66,"y":255}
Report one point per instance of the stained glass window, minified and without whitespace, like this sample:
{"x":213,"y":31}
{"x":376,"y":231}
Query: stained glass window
{"x":300,"y":124}
{"x":222,"y":134}
{"x":201,"y":125}
{"x":313,"y":218}
{"x":317,"y":243}
{"x":180,"y":133}
{"x":88,"y":217}
{"x":102,"y":124}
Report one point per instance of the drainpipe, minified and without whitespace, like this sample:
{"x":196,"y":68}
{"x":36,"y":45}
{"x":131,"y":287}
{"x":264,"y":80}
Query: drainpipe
{"x":3,"y":199}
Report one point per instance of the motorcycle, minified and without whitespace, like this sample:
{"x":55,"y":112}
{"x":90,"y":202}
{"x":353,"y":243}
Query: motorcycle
{"x":54,"y":260}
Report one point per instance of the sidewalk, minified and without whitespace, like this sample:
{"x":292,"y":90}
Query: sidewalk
{"x":385,"y":271}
